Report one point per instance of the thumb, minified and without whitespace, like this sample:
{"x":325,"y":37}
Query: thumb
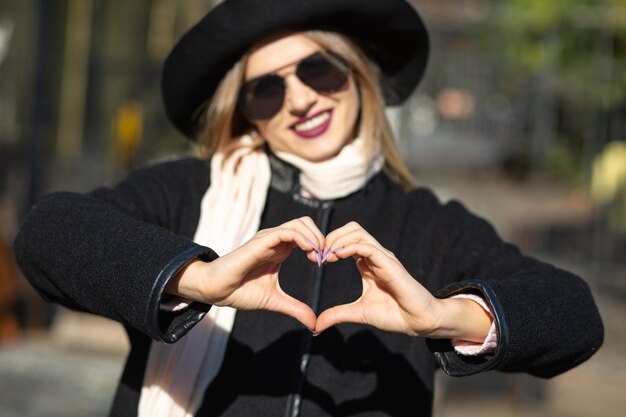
{"x":345,"y":313}
{"x":285,"y":304}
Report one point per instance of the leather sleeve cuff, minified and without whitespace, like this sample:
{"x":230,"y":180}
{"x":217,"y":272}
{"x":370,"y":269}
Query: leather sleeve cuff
{"x":450,"y":361}
{"x":170,"y":326}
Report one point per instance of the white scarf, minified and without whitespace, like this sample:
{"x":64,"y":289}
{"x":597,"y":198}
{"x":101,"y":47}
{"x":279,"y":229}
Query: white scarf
{"x":178,"y":374}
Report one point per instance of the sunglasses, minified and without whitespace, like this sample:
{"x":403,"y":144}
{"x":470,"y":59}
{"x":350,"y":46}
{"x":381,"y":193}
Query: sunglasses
{"x":262,"y":97}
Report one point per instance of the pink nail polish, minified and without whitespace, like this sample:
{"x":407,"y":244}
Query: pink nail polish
{"x":310,"y":242}
{"x":326,"y":254}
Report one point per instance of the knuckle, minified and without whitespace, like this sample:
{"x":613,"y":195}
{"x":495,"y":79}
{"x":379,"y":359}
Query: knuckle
{"x":354,"y":224}
{"x":284,"y":230}
{"x":262,"y":232}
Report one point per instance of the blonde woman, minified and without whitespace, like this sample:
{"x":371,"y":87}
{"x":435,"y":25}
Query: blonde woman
{"x":298,"y":271}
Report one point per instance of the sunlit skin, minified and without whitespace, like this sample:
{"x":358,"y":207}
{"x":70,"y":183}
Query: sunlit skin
{"x":302,"y":102}
{"x":248,"y":277}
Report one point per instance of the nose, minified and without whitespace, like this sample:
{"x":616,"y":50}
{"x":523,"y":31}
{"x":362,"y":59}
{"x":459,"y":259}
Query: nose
{"x":300,"y":98}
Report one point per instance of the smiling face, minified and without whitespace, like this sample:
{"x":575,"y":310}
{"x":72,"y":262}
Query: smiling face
{"x":312,"y":125}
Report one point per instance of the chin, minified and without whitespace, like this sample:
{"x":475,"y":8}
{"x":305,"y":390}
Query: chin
{"x":321,"y":156}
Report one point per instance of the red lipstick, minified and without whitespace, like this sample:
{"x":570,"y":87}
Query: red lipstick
{"x":314,"y":125}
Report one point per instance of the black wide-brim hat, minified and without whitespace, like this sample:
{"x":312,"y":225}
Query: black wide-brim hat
{"x":390,"y":32}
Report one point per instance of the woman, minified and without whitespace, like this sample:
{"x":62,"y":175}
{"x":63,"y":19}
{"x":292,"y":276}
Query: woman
{"x":303,"y":179}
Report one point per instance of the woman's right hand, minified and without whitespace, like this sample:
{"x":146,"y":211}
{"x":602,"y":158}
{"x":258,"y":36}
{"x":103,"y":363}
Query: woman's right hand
{"x":247,"y":277}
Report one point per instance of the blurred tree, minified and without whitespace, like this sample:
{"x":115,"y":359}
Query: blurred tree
{"x":568,"y":57}
{"x":586,"y":39}
{"x":608,"y":184}
{"x":128,"y":131}
{"x":9,"y":329}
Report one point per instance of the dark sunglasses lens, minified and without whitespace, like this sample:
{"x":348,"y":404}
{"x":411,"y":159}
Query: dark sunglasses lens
{"x":321,"y":75}
{"x":263,"y":97}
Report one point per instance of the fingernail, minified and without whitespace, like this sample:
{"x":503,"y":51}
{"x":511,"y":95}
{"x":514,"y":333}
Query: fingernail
{"x":310,"y":242}
{"x":315,"y":334}
{"x":318,"y":257}
{"x":326,"y":254}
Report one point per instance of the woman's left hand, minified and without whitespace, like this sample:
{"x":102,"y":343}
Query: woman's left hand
{"x":392,"y":299}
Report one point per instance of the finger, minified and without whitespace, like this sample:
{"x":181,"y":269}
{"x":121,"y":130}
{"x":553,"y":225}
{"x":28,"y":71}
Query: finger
{"x":299,"y":236}
{"x":272,"y":244}
{"x":372,"y":252}
{"x":302,"y":239}
{"x":356,"y":237}
{"x":283,"y":303}
{"x":345,"y":313}
{"x":304,"y":225}
{"x":384,"y":268}
{"x":321,"y":239}
{"x":388,"y":272}
{"x":347,"y":228}
{"x":307,"y":227}
{"x":353,"y":233}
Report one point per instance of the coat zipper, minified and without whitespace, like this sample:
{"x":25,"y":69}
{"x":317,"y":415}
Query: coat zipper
{"x":295,"y":397}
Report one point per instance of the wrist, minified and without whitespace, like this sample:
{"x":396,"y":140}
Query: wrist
{"x":461,"y":318}
{"x":187,"y":283}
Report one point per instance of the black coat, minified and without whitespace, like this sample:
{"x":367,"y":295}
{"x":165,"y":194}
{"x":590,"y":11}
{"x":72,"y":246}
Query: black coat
{"x":111,"y":252}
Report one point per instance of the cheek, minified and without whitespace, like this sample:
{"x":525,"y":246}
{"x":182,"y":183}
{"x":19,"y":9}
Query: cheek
{"x":353,"y":99}
{"x":269,"y":131}
{"x":353,"y":108}
{"x":263,"y":127}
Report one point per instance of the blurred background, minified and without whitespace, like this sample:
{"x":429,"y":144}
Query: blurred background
{"x":522,"y":116}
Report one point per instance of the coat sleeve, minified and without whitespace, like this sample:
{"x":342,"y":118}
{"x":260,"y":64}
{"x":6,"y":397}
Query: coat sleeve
{"x":546,"y":318}
{"x":111,"y":252}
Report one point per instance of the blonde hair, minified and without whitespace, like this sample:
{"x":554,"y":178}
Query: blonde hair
{"x":221,"y":122}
